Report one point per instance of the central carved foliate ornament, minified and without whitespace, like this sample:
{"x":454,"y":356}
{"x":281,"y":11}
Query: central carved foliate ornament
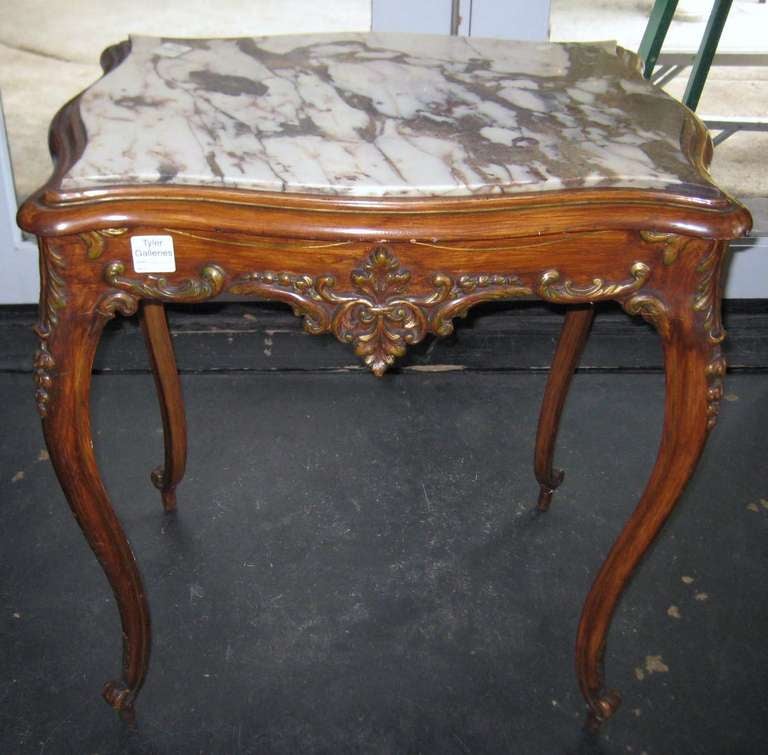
{"x":377,"y":316}
{"x":379,"y":320}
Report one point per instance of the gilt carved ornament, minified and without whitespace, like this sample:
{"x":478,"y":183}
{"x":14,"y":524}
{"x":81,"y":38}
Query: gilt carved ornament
{"x":54,"y":300}
{"x":374,"y":311}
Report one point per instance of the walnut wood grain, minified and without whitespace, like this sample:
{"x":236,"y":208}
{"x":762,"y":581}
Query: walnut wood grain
{"x":694,"y":368}
{"x":71,"y":340}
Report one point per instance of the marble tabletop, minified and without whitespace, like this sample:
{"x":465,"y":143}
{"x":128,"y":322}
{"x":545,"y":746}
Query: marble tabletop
{"x":375,"y":115}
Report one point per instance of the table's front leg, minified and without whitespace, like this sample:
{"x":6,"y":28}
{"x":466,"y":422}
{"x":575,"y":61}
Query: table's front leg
{"x":688,"y":320}
{"x":71,"y":323}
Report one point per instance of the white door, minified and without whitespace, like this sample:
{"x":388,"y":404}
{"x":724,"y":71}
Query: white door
{"x":19,"y":283}
{"x":513,"y":19}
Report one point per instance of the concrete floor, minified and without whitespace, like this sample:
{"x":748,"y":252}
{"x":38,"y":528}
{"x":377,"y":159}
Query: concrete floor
{"x":356,"y":567}
{"x":48,"y":53}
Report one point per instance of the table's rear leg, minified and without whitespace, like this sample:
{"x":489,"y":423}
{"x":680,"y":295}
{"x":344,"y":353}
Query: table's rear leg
{"x":570,"y":346}
{"x":160,"y":347}
{"x":64,"y":366}
{"x":694,"y":367}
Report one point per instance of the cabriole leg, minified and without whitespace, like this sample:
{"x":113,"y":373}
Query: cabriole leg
{"x":570,"y":346}
{"x":160,"y":347}
{"x":63,"y":375}
{"x":694,"y":368}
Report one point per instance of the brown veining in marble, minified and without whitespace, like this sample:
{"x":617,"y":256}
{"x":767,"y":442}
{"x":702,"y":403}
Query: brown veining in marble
{"x":381,"y":115}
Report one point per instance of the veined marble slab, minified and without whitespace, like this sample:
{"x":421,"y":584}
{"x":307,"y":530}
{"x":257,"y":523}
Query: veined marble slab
{"x":376,"y":115}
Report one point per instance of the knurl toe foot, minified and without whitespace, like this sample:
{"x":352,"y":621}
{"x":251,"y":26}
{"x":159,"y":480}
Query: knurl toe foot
{"x":547,"y":489}
{"x":157,"y":475}
{"x":168,"y":495}
{"x":601,"y":709}
{"x":121,"y":699}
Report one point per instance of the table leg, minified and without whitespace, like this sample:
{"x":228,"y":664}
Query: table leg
{"x":64,"y":363}
{"x":570,"y":346}
{"x":160,"y":347}
{"x":694,"y":368}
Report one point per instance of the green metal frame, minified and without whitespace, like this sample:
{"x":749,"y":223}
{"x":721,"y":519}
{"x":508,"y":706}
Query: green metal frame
{"x":656,"y":31}
{"x":707,"y":50}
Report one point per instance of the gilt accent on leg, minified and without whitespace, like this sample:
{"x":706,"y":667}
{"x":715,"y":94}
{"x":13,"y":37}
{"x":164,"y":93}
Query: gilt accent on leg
{"x":694,"y":368}
{"x":71,"y":339}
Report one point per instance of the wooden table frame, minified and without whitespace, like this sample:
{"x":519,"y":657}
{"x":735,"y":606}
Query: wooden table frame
{"x":379,"y":274}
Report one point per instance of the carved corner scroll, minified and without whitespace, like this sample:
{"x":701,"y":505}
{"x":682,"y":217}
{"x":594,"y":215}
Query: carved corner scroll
{"x":95,"y":241}
{"x":671,"y":243}
{"x":707,"y":299}
{"x":651,"y":309}
{"x":54,"y":299}
{"x":117,"y":302}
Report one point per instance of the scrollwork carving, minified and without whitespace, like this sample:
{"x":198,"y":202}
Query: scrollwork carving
{"x":380,"y":319}
{"x":44,"y":365}
{"x":209,"y":284}
{"x":707,"y":302}
{"x":715,"y":372}
{"x":376,"y":315}
{"x":473,"y":289}
{"x":550,"y":289}
{"x":706,"y":299}
{"x":117,"y":302}
{"x":377,"y":318}
{"x":302,"y":292}
{"x":651,"y":309}
{"x":54,"y":300}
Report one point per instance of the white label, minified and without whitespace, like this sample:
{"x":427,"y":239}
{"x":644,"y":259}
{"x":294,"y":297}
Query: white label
{"x":171,"y":49}
{"x":153,"y":254}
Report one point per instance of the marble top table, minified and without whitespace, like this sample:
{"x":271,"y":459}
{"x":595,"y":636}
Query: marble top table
{"x":381,"y":185}
{"x":381,"y":115}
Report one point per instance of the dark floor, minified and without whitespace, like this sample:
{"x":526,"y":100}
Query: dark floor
{"x":356,"y":567}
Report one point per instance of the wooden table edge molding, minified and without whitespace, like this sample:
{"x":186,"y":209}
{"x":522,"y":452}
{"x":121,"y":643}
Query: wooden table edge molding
{"x":380,"y":274}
